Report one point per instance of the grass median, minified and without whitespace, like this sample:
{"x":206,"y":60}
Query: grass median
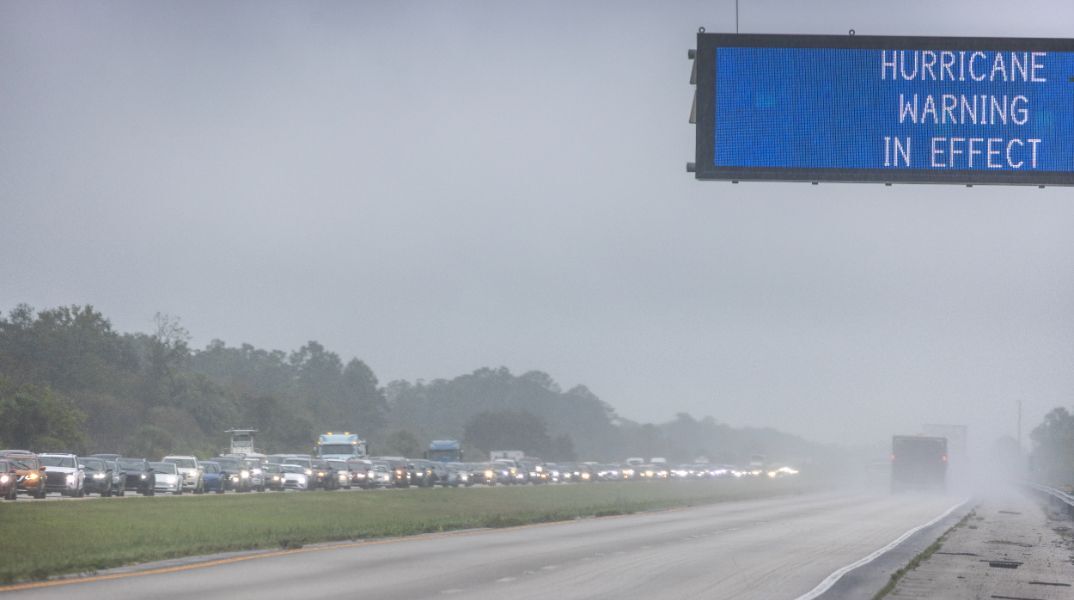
{"x":43,"y":539}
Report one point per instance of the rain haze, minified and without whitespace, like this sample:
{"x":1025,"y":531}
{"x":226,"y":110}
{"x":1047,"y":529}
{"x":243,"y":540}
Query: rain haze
{"x":437,"y":187}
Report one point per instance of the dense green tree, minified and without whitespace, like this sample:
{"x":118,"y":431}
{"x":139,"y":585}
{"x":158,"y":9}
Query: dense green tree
{"x":509,"y":430}
{"x":401,"y":443}
{"x":1053,"y":454}
{"x":35,"y":418}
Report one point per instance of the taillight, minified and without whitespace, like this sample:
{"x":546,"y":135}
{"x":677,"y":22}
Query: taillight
{"x":945,"y":458}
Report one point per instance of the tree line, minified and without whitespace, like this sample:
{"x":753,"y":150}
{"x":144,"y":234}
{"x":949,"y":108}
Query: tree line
{"x":70,"y":382}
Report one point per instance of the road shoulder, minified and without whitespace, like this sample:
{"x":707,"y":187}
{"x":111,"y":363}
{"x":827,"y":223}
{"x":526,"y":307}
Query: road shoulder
{"x":1009,"y":548}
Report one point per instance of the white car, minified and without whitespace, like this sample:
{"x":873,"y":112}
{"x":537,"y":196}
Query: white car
{"x":63,"y":475}
{"x":190,"y":470}
{"x":295,"y":477}
{"x":167,"y":477}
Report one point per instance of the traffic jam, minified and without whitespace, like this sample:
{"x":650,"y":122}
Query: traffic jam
{"x":339,"y":463}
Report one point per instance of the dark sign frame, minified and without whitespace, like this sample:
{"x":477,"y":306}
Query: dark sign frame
{"x":704,"y":167}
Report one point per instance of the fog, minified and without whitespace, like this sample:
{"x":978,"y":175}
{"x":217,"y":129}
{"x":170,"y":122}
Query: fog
{"x":437,"y":187}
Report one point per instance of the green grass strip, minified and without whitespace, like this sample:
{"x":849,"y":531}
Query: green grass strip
{"x":44,"y":539}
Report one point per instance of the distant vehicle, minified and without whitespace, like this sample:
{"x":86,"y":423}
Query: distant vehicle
{"x":119,"y":478}
{"x":238,"y":474}
{"x":9,"y":480}
{"x":213,"y":477}
{"x":99,"y":477}
{"x":444,"y":451}
{"x":63,"y":475}
{"x":342,"y":473}
{"x":509,"y":454}
{"x":273,"y":475}
{"x":138,"y":475}
{"x":295,"y":477}
{"x":421,"y":473}
{"x":29,"y":474}
{"x":456,"y":474}
{"x":108,"y":457}
{"x":399,"y":471}
{"x":361,"y":470}
{"x":380,"y":475}
{"x":166,"y":478}
{"x":190,"y":471}
{"x":324,"y":476}
{"x":534,"y":469}
{"x":242,"y":441}
{"x":340,"y":446}
{"x":635,"y":461}
{"x":255,"y":463}
{"x":510,"y":471}
{"x":918,"y":462}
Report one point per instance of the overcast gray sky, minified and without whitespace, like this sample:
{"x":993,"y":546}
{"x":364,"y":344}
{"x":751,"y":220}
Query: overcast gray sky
{"x":440,"y":186}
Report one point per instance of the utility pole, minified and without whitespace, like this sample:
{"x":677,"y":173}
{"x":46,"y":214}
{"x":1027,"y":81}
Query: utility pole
{"x":736,"y":17}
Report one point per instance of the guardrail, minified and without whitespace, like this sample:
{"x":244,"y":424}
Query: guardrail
{"x":1059,"y":498}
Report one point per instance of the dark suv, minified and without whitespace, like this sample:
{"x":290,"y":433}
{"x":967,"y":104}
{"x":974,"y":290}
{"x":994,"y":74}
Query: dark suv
{"x":139,"y":475}
{"x":98,"y":475}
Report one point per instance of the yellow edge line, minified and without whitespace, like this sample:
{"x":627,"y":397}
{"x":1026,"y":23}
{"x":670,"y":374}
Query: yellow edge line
{"x":235,"y":559}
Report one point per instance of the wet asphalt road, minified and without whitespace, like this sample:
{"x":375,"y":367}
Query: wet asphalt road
{"x":774,"y":548}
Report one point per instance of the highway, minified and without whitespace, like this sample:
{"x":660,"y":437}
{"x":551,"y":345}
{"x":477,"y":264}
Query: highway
{"x":773,"y":548}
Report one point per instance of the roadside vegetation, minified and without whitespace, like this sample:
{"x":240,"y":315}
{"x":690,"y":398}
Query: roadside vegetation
{"x":70,"y":382}
{"x":43,"y":539}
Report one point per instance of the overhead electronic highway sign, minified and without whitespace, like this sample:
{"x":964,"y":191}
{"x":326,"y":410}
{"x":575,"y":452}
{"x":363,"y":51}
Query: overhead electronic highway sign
{"x":884,"y":109}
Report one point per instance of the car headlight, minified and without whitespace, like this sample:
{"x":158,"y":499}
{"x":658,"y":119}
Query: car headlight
{"x":32,"y":476}
{"x":489,"y":474}
{"x":256,"y":471}
{"x":144,"y":476}
{"x":309,"y":472}
{"x":244,"y":474}
{"x":5,"y":478}
{"x":98,"y":475}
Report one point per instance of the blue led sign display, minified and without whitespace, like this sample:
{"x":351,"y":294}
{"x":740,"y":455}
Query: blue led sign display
{"x":957,"y":110}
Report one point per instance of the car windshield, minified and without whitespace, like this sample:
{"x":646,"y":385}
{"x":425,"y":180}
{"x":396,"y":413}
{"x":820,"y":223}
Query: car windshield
{"x":94,"y":464}
{"x":131,"y":464}
{"x":229,"y":464}
{"x":210,"y":467}
{"x":58,"y":461}
{"x":164,"y":467}
{"x":293,"y":469}
{"x":182,"y":463}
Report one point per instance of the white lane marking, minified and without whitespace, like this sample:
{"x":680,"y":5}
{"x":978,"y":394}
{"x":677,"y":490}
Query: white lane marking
{"x":828,"y":582}
{"x":505,"y":579}
{"x":451,"y":591}
{"x":549,"y":567}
